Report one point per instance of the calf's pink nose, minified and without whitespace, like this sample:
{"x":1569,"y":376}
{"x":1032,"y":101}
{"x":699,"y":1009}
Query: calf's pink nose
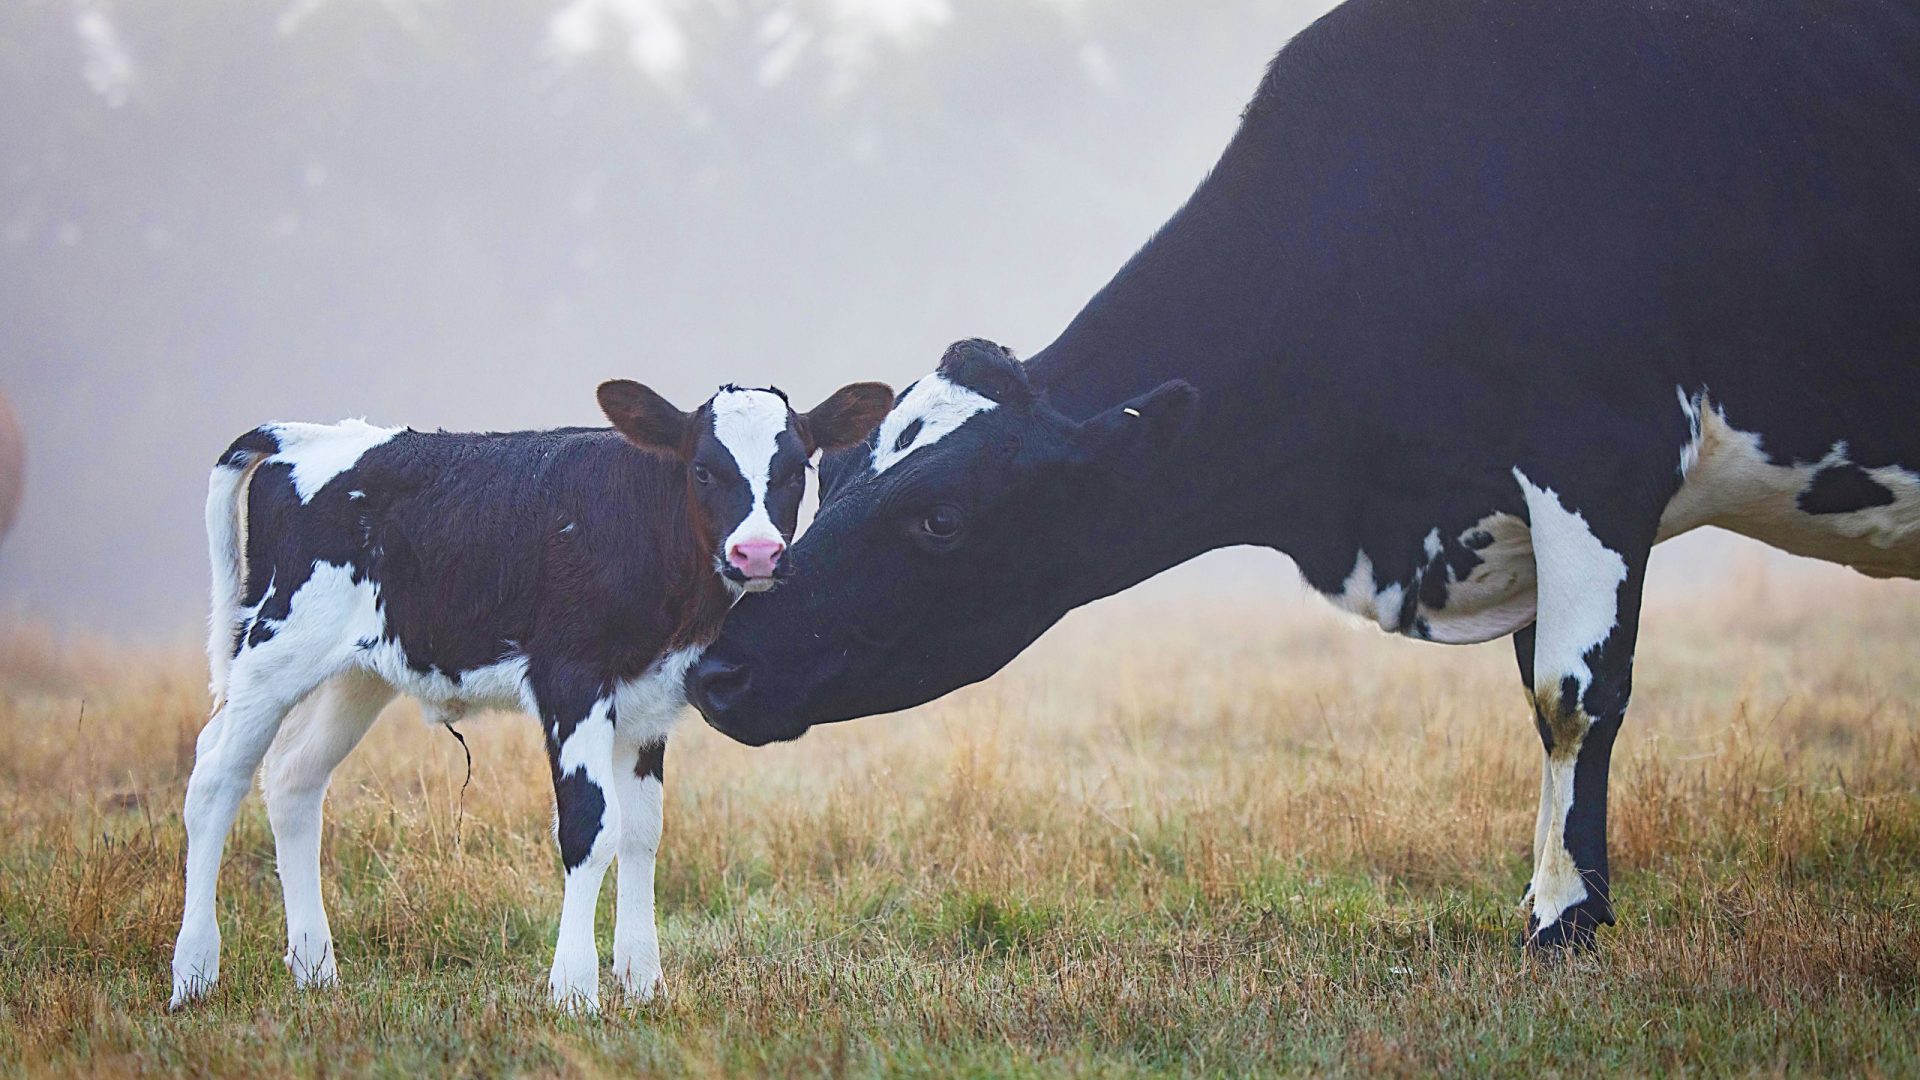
{"x":755,"y":558}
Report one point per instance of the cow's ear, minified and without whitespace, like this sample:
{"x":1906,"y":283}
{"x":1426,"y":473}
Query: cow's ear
{"x":847,"y":417}
{"x":1130,"y":435}
{"x":648,"y":420}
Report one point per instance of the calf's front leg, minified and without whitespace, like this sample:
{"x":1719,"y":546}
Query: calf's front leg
{"x":580,"y":739}
{"x":639,"y":776}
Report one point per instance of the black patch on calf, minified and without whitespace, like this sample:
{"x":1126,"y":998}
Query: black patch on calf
{"x":652,"y":762}
{"x":259,"y":442}
{"x":579,"y":804}
{"x":1843,"y":489}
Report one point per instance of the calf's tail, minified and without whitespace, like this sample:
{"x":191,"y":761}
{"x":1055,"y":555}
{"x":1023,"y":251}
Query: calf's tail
{"x":227,"y":548}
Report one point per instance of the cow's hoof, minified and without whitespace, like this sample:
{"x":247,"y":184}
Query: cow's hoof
{"x":1574,"y":931}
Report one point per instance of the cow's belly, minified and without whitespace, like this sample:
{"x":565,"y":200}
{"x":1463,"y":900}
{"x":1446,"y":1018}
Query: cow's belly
{"x":1474,"y":587}
{"x":1833,"y":509}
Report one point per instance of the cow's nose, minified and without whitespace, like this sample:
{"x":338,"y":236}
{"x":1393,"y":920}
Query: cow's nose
{"x":718,"y":685}
{"x":756,"y":558}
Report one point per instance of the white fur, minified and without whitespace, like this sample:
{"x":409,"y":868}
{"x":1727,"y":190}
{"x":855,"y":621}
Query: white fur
{"x":748,"y":423}
{"x":1493,"y":600}
{"x":1557,"y":884}
{"x":1730,"y":482}
{"x":575,"y":978}
{"x":941,"y":407}
{"x":226,"y":554}
{"x":647,"y":709}
{"x":320,"y":452}
{"x":1578,"y":587}
{"x":1497,"y":595}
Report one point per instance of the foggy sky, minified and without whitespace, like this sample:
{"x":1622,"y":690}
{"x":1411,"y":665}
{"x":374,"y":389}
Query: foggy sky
{"x":216,"y":213}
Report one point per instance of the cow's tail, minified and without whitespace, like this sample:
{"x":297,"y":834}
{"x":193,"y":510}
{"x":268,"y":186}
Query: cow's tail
{"x":227,"y":548}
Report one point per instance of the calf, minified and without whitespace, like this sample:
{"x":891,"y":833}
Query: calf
{"x":573,"y":574}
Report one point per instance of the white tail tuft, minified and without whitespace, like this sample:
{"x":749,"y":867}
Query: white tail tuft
{"x":227,"y":554}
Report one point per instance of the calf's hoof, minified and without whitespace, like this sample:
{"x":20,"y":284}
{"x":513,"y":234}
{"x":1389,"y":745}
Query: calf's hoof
{"x":312,"y":966}
{"x":196,"y":967}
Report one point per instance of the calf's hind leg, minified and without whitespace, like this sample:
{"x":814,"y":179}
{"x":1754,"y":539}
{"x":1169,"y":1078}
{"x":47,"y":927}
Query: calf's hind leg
{"x":578,"y":723}
{"x":316,"y":738}
{"x":227,"y":753}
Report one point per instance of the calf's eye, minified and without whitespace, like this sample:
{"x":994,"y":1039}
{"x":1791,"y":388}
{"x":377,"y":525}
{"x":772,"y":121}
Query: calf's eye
{"x":701,"y":475}
{"x":941,"y":523}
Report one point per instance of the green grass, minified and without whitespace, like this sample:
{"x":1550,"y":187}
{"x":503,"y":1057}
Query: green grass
{"x":1197,"y":866}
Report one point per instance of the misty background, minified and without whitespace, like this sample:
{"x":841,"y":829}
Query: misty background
{"x":215,"y":213}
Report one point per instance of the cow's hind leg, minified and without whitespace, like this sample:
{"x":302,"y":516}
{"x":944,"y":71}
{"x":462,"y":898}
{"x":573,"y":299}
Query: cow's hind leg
{"x":1578,"y":663}
{"x":577,"y":716}
{"x":316,"y":738}
{"x":227,"y":753}
{"x":639,"y":776}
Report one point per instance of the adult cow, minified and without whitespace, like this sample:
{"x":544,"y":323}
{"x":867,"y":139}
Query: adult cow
{"x":572,"y":574}
{"x":1484,"y":300}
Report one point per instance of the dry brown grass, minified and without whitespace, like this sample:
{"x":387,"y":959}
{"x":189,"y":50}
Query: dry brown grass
{"x":1169,"y":840}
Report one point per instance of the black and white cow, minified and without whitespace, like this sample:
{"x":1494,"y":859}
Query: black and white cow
{"x":571,"y":574}
{"x":1485,"y":299}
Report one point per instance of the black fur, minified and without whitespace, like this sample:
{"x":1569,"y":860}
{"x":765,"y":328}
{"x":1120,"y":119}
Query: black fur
{"x":1449,"y":239}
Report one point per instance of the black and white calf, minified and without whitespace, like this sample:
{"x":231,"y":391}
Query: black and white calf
{"x":573,"y":574}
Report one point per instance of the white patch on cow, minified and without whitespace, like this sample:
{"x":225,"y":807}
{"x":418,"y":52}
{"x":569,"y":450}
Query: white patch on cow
{"x":1731,"y":483}
{"x":1362,"y":596}
{"x":748,"y":423}
{"x":1497,"y":595}
{"x":1493,"y":600}
{"x":1557,"y":884}
{"x":1578,"y":585}
{"x":320,"y":452}
{"x":1578,"y":588}
{"x":939,"y":405}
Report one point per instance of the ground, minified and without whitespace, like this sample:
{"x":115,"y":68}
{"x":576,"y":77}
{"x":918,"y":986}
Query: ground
{"x":1188,"y":838}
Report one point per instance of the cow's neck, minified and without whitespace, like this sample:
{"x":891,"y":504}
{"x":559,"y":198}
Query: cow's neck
{"x":1208,"y":304}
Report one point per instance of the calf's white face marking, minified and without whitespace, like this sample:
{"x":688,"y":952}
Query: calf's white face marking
{"x":938,"y":406}
{"x":748,"y":423}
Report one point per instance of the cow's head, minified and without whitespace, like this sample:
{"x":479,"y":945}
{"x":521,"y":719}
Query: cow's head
{"x":746,"y":453}
{"x":975,"y":517}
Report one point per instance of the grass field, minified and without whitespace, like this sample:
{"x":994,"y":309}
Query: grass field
{"x":1172,"y":839}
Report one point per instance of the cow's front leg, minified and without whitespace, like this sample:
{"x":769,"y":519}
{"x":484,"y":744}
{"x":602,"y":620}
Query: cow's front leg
{"x":1577,"y":661}
{"x":639,"y":775}
{"x":579,"y":731}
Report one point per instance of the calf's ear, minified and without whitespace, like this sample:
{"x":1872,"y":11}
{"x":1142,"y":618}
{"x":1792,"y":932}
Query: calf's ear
{"x":847,"y":417}
{"x":1130,"y":435}
{"x":648,"y":420}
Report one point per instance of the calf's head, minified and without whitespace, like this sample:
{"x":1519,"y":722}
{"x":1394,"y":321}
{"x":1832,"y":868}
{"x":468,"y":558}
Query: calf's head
{"x":745,"y":453}
{"x":975,"y":518}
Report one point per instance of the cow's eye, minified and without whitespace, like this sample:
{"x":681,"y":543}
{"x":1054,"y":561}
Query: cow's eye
{"x":701,"y":475}
{"x":941,"y":523}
